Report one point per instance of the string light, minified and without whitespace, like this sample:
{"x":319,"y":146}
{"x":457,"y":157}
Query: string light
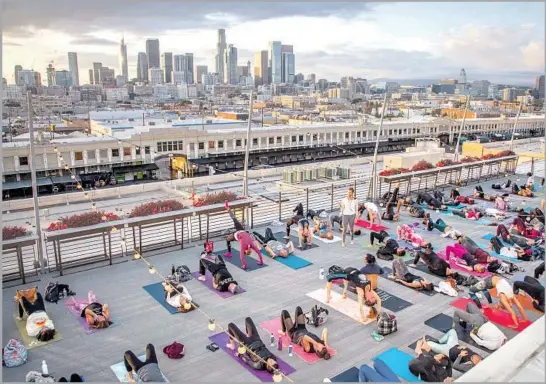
{"x":187,"y":306}
{"x":73,"y":177}
{"x":93,"y":206}
{"x":212,"y":325}
{"x":136,"y":255}
{"x":66,"y":167}
{"x":277,"y":377}
{"x":151,"y":269}
{"x":86,"y":195}
{"x":241,"y":350}
{"x":55,"y":149}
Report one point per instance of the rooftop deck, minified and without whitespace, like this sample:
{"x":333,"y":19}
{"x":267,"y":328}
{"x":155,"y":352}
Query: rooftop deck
{"x":139,"y":319}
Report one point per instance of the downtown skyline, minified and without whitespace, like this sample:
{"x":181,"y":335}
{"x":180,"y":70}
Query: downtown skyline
{"x":392,"y":42}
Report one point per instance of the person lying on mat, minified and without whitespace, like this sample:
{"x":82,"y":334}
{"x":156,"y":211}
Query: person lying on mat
{"x":523,"y":191}
{"x":381,"y":374}
{"x":431,"y":202}
{"x":497,"y":246}
{"x":97,"y":315}
{"x":483,"y":332}
{"x":222,"y":280}
{"x":403,"y":276}
{"x":457,"y":253}
{"x":440,"y":225}
{"x":429,"y":367}
{"x":513,"y":237}
{"x":520,"y":228}
{"x":300,"y":335}
{"x":39,"y":324}
{"x":272,"y":246}
{"x":504,"y":185}
{"x":389,"y":246}
{"x":463,"y":358}
{"x":322,"y":226}
{"x":295,"y":219}
{"x":176,"y":295}
{"x":305,"y":234}
{"x":467,"y":213}
{"x":406,"y":233}
{"x":533,"y":288}
{"x":416,"y":211}
{"x":259,"y":358}
{"x":473,"y":248}
{"x":507,"y":298}
{"x":337,"y":219}
{"x":246,"y":242}
{"x":435,"y":264}
{"x":447,"y":201}
{"x":147,"y":370}
{"x":480,"y":194}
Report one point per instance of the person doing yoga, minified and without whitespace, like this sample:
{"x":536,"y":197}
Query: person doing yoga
{"x":388,"y":246}
{"x":257,"y":356}
{"x":246,"y":242}
{"x":348,"y":208}
{"x":222,"y":280}
{"x":38,"y":324}
{"x":467,"y":213}
{"x":496,"y":245}
{"x":523,"y":191}
{"x":431,"y":202}
{"x":272,"y":246}
{"x":322,"y":227}
{"x":474,"y":249}
{"x":147,"y":370}
{"x":337,"y":219}
{"x":440,"y":225}
{"x":305,"y":234}
{"x":373,"y":212}
{"x":504,"y":185}
{"x":295,"y":219}
{"x":483,"y":332}
{"x":95,"y":314}
{"x":457,"y":252}
{"x":406,"y":233}
{"x":300,"y":335}
{"x":177,"y":295}
{"x":403,"y":276}
{"x":416,"y":211}
{"x":390,"y":204}
{"x":435,"y":264}
{"x":463,"y":358}
{"x":539,"y":270}
{"x":513,"y":237}
{"x":429,"y":367}
{"x":533,"y":288}
{"x":380,"y":373}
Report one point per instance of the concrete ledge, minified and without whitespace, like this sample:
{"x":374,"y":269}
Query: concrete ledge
{"x":503,"y":364}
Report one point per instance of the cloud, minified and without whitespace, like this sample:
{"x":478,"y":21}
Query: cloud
{"x":11,"y":44}
{"x":91,"y":40}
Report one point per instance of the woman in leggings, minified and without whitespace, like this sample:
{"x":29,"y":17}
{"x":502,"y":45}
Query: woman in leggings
{"x":381,"y":374}
{"x":299,"y":334}
{"x":513,"y":237}
{"x":147,"y":370}
{"x":515,"y":252}
{"x":389,"y":244}
{"x":435,"y":264}
{"x":533,"y":288}
{"x":246,"y":242}
{"x":406,"y":233}
{"x":295,"y":219}
{"x":539,"y":270}
{"x":348,"y":207}
{"x":222,"y":280}
{"x":474,"y":249}
{"x":470,"y":262}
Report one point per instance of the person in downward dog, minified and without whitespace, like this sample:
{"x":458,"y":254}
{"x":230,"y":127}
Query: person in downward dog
{"x":246,"y":242}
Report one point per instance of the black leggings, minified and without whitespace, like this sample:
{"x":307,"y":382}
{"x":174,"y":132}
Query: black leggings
{"x":264,"y":239}
{"x":311,"y":213}
{"x":291,"y":222}
{"x":380,"y":236}
{"x":289,"y":326}
{"x":133,"y":363}
{"x":336,"y":219}
{"x":533,"y":288}
{"x":459,"y":212}
{"x":29,"y":308}
{"x":539,"y":270}
{"x":247,"y":338}
{"x":496,"y":243}
{"x":212,"y":266}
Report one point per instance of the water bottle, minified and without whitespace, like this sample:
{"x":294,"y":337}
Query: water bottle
{"x":279,"y":344}
{"x":321,"y":273}
{"x":290,"y":348}
{"x":272,"y":339}
{"x":45,"y":372}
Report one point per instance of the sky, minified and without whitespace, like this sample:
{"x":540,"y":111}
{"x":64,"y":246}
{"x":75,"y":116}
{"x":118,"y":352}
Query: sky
{"x":499,"y":42}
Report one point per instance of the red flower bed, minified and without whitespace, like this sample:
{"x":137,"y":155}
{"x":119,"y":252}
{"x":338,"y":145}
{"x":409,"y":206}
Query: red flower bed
{"x":82,"y":220}
{"x":404,"y":170}
{"x":156,"y":207}
{"x":446,"y":163}
{"x":421,"y":166}
{"x":389,"y":172}
{"x":505,"y":153}
{"x":11,"y":232}
{"x":469,"y":159}
{"x":216,"y":198}
{"x":488,"y":156}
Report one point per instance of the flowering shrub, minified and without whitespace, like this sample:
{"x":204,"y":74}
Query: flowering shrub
{"x":389,"y":172}
{"x":505,"y":153}
{"x":421,"y":166}
{"x":156,"y":207}
{"x":11,"y":232}
{"x":216,"y":198}
{"x":469,"y":159}
{"x":488,"y":156}
{"x":446,"y":162}
{"x":404,"y":170}
{"x":82,"y":220}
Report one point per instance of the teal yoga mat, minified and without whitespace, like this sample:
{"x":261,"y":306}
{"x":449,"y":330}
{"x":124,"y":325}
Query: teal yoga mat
{"x":499,"y":256}
{"x":156,"y":291}
{"x":235,"y":259}
{"x":291,"y":261}
{"x":398,"y":361}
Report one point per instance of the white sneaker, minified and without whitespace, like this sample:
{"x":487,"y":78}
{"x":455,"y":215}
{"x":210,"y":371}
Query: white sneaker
{"x":286,"y":237}
{"x":343,"y":245}
{"x":352,"y":242}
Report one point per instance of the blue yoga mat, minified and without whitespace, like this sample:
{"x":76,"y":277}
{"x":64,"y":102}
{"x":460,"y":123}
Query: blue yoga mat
{"x":499,"y":256}
{"x":398,"y":361}
{"x":489,"y":236}
{"x":156,"y":291}
{"x":235,"y":259}
{"x":348,"y":376}
{"x":291,"y":261}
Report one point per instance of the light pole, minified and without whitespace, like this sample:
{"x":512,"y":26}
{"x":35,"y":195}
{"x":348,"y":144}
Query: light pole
{"x":515,"y":125}
{"x":374,"y":167}
{"x":247,"y":151}
{"x":456,"y":157}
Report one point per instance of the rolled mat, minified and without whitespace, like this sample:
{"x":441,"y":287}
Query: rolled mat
{"x":274,"y":326}
{"x":350,"y":375}
{"x":235,"y":259}
{"x":158,"y":293}
{"x":346,"y":306}
{"x":496,"y":316}
{"x":373,"y":227}
{"x":208,"y":284}
{"x":222,"y":339}
{"x":291,"y":261}
{"x":388,"y":272}
{"x":453,"y":265}
{"x":120,"y":371}
{"x":398,"y":362}
{"x":31,"y":341}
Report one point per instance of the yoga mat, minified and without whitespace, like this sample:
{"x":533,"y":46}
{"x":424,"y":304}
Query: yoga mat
{"x":413,"y":345}
{"x":525,"y":301}
{"x":235,"y":259}
{"x":31,"y":341}
{"x":374,"y":227}
{"x":423,"y":268}
{"x":453,"y":264}
{"x":498,"y":255}
{"x":120,"y":371}
{"x":346,"y":306}
{"x":489,"y":236}
{"x":398,"y":362}
{"x":388,"y":272}
{"x":222,"y":339}
{"x":496,"y":316}
{"x":327,"y":241}
{"x":156,"y":291}
{"x":350,"y":375}
{"x":274,"y":326}
{"x":291,"y":261}
{"x":83,"y":322}
{"x":388,"y":300}
{"x":208,"y":284}
{"x":294,"y":239}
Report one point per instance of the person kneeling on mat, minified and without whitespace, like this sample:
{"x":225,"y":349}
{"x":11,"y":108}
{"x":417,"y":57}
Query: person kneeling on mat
{"x":94,"y":313}
{"x":463,"y":358}
{"x":257,"y":356}
{"x":39,"y":324}
{"x":381,"y":374}
{"x":483,"y":332}
{"x":402,"y":275}
{"x":147,"y":370}
{"x":435,"y":264}
{"x":272,"y":246}
{"x":221,"y":278}
{"x":246,"y":242}
{"x":533,"y":288}
{"x":300,"y":335}
{"x":389,"y":246}
{"x":295,"y":219}
{"x":429,"y":367}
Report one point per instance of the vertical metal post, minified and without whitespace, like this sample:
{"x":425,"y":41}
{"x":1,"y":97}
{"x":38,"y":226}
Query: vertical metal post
{"x":34,"y":185}
{"x":461,"y":130}
{"x":374,"y":168}
{"x":280,"y":205}
{"x":515,"y":126}
{"x":247,"y":152}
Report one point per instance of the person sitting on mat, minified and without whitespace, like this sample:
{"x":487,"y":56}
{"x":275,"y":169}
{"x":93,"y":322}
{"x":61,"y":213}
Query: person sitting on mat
{"x":381,"y":374}
{"x":457,"y":252}
{"x":507,"y":298}
{"x":406,"y":233}
{"x":416,"y":211}
{"x":300,"y":335}
{"x":97,"y":315}
{"x":246,"y":242}
{"x":39,"y":324}
{"x":389,"y":246}
{"x":305,"y":235}
{"x":483,"y":332}
{"x":177,"y":295}
{"x":272,"y":246}
{"x":533,"y":288}
{"x":322,"y":225}
{"x":259,"y":358}
{"x":147,"y":370}
{"x":371,"y":268}
{"x":497,"y":246}
{"x":221,"y":278}
{"x":431,"y":202}
{"x":295,"y":219}
{"x":435,"y":264}
{"x":474,"y":249}
{"x":463,"y":358}
{"x":429,"y":367}
{"x":403,"y":276}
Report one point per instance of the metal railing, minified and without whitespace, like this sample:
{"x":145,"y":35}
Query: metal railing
{"x":19,"y":260}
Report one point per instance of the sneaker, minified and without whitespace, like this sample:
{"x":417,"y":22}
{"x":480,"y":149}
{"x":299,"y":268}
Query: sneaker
{"x":227,"y":254}
{"x":286,"y":237}
{"x":244,"y":266}
{"x":352,"y":242}
{"x":343,"y":245}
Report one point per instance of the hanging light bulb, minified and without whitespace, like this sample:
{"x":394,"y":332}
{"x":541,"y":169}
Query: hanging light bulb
{"x":151,"y":269}
{"x":103,"y":218}
{"x":114,"y":229}
{"x":86,"y":195}
{"x":119,"y":142}
{"x":187,"y":305}
{"x":241,"y":350}
{"x":79,"y":186}
{"x":277,"y":377}
{"x":73,"y":177}
{"x":211,"y":325}
{"x":55,"y":149}
{"x":93,"y":206}
{"x":66,"y":167}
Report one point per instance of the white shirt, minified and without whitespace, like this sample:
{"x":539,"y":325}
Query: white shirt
{"x":530,"y":180}
{"x":508,"y":252}
{"x":174,"y":300}
{"x":371,"y":207}
{"x":503,"y":286}
{"x":349,"y":207}
{"x":489,"y":336}
{"x":36,"y":321}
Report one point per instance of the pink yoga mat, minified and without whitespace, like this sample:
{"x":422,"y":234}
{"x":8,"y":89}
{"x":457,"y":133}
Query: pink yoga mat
{"x":499,"y":317}
{"x":273,"y":326}
{"x":72,"y":309}
{"x":454,"y":265}
{"x":373,"y":227}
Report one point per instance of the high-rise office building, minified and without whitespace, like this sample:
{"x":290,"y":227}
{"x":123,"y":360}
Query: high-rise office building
{"x":107,"y":76}
{"x":91,"y":77}
{"x":152,"y":53}
{"x":18,"y":68}
{"x":230,"y":65}
{"x":50,"y":71}
{"x":288,"y":66}
{"x":509,"y":94}
{"x":26,"y":77}
{"x":167,"y":66}
{"x":189,"y":68}
{"x":63,"y":78}
{"x":142,"y":67}
{"x":220,"y":52}
{"x":73,"y":68}
{"x":462,"y":77}
{"x":155,"y":76}
{"x":38,"y":79}
{"x":96,"y":72}
{"x":200,"y":70}
{"x":124,"y":66}
{"x":312,"y":78}
{"x":275,"y":61}
{"x":540,"y":86}
{"x":261,"y":75}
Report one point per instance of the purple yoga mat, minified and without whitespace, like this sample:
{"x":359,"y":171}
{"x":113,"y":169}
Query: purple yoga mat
{"x":72,"y":309}
{"x":208,"y":283}
{"x":221,"y":339}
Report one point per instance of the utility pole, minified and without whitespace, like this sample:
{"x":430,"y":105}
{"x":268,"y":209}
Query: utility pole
{"x":456,"y":157}
{"x":34,"y":184}
{"x":373,"y":185}
{"x":247,"y":152}
{"x":515,"y":125}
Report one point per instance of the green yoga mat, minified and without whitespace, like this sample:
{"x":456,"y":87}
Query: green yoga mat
{"x":31,"y":341}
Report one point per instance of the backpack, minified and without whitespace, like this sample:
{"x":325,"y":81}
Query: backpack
{"x":494,"y":267}
{"x":52,"y":293}
{"x":335,"y":269}
{"x":384,"y":254}
{"x":14,"y":354}
{"x":317,"y":316}
{"x":181,"y":275}
{"x":386,"y":324}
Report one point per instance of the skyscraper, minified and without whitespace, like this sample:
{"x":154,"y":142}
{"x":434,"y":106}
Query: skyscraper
{"x":96,"y":72}
{"x":142,"y":67}
{"x":73,"y":68}
{"x":18,"y":69}
{"x":288,"y":65}
{"x":260,"y":68}
{"x":540,"y":86}
{"x":189,"y":68}
{"x":156,"y":76}
{"x":91,"y":76}
{"x":50,"y":75}
{"x":26,"y":77}
{"x":152,"y":52}
{"x":38,"y":79}
{"x":220,"y":52}
{"x":124,"y":66}
{"x":63,"y":78}
{"x":167,"y":66}
{"x":200,"y":70}
{"x":275,"y":59}
{"x":462,"y":77}
{"x":230,"y":65}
